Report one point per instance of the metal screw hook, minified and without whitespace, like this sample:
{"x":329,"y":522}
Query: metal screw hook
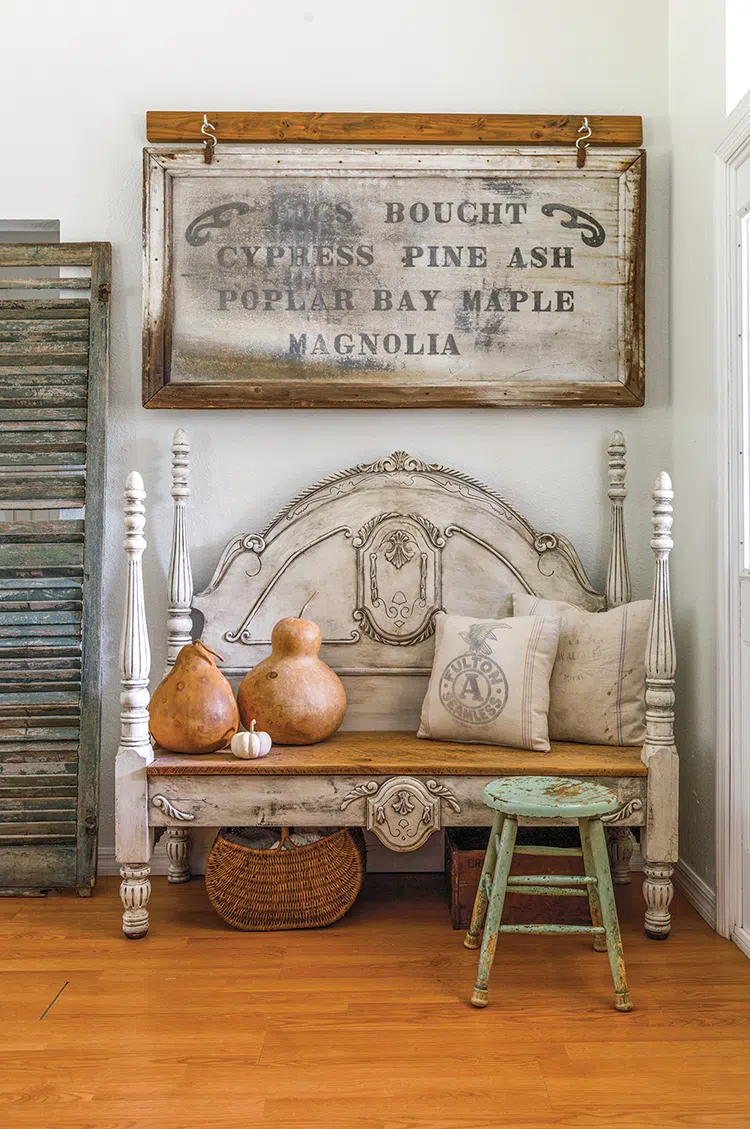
{"x":582,"y":143}
{"x":209,"y":132}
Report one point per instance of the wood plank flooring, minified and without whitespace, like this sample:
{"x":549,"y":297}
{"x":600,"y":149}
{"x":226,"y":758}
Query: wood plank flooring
{"x":362,"y":1026}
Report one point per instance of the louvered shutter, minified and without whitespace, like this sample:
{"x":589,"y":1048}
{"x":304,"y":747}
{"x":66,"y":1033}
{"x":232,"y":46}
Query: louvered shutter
{"x":53,"y":391}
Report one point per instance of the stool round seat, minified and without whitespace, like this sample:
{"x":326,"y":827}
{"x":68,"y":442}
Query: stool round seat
{"x":545,"y":796}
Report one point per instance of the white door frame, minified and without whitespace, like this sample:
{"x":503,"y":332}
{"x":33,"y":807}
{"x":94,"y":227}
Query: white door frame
{"x":730,"y":155}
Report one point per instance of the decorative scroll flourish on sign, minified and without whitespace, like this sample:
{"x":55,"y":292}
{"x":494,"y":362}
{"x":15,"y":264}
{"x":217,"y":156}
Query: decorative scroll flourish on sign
{"x":576,"y":219}
{"x":199,"y":231}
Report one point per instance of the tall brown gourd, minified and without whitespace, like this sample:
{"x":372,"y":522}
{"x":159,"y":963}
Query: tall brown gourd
{"x":292,"y":694}
{"x":193,"y":709}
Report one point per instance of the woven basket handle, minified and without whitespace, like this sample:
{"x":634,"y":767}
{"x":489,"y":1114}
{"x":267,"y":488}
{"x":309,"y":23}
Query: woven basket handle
{"x":286,"y":840}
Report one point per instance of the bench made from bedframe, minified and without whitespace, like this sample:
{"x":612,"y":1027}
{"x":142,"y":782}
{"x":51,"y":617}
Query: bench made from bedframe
{"x":379,"y":776}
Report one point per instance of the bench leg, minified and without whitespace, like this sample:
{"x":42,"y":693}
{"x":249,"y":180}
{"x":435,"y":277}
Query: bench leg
{"x":621,"y":844}
{"x":600,"y":941}
{"x":178,"y":852}
{"x":135,"y":890}
{"x":472,"y":940}
{"x":495,"y":910}
{"x":658,"y":892}
{"x":623,"y":1002}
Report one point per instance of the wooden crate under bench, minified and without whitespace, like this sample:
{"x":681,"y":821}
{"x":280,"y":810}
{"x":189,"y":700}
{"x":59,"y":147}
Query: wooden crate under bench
{"x":464,"y":855}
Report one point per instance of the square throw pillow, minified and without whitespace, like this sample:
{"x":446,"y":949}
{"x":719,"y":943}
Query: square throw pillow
{"x":598,"y":685}
{"x":490,"y":681}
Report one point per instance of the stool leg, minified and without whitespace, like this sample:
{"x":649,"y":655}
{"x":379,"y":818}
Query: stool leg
{"x":623,"y":1001}
{"x":600,"y":941}
{"x":473,"y":938}
{"x":495,"y":910}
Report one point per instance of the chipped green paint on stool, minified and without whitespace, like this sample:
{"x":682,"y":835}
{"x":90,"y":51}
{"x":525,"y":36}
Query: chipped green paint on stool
{"x":545,"y":797}
{"x":549,"y":797}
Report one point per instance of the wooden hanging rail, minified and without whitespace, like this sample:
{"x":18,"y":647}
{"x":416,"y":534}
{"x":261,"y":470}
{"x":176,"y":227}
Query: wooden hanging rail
{"x":373,"y":129}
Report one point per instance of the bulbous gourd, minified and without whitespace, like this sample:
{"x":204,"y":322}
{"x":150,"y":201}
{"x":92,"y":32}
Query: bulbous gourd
{"x":292,"y":694}
{"x":193,"y":709}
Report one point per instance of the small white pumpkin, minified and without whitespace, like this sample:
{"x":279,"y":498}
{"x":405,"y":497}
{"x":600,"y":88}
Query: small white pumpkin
{"x":248,"y":746}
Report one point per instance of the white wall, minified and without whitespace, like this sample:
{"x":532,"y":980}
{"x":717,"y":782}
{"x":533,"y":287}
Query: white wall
{"x":79,"y":115}
{"x":737,"y":42}
{"x":697,"y":106}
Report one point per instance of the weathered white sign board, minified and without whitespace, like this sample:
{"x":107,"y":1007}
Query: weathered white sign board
{"x":322,"y":276}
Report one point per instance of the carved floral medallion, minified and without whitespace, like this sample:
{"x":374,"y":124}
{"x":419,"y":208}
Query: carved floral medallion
{"x":398,"y":578}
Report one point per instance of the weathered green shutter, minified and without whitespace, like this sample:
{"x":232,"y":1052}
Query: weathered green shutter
{"x":53,"y":394}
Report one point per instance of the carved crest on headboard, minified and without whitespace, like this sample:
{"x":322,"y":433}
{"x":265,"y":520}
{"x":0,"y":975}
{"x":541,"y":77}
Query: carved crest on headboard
{"x":399,"y":578}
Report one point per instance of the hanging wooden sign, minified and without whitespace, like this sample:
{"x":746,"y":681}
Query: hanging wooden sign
{"x":320,"y":276}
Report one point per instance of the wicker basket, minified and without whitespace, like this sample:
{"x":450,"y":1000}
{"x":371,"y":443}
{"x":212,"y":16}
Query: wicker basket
{"x":290,"y":888}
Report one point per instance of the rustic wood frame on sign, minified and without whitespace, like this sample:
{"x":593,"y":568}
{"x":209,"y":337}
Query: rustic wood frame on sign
{"x":554,"y":142}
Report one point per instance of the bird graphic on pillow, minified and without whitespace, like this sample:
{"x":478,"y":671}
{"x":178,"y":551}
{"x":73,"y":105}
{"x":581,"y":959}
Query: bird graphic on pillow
{"x":478,"y":635}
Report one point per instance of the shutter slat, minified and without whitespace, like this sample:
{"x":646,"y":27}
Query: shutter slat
{"x":41,"y":531}
{"x":19,"y":789}
{"x":56,"y":493}
{"x":40,"y":617}
{"x":60,"y":737}
{"x":51,"y":329}
{"x":37,"y":416}
{"x":43,"y":348}
{"x":36,"y":833}
{"x":17,"y":460}
{"x":44,"y":396}
{"x":43,"y":308}
{"x":45,"y":284}
{"x":43,"y":667}
{"x":14,"y":425}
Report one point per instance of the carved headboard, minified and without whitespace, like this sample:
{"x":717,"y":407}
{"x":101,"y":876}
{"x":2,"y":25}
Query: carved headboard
{"x":386,"y":546}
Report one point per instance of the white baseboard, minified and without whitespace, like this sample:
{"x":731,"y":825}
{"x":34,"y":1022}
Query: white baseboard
{"x":698,"y":893}
{"x":741,"y":938}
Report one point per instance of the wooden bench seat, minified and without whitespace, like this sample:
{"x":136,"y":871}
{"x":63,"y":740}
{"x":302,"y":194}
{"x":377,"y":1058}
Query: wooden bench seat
{"x":401,"y":788}
{"x":386,"y":754}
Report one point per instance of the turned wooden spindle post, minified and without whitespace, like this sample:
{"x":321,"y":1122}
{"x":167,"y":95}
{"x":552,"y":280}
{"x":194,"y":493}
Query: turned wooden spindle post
{"x":618,"y":591}
{"x":179,"y":619}
{"x":659,"y":750}
{"x":618,"y":571}
{"x":180,"y":585}
{"x":134,"y":839}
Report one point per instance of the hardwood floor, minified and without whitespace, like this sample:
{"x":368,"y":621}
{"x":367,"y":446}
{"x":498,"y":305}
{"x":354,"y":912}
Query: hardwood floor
{"x":365,"y":1025}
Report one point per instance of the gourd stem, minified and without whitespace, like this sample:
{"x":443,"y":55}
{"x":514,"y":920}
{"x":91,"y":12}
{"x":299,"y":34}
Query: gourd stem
{"x":215,"y":654}
{"x":308,"y":601}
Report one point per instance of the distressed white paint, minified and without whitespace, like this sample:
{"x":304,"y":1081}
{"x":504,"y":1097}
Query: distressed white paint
{"x":344,"y":801}
{"x":134,"y":838}
{"x":659,"y":751}
{"x":180,"y":585}
{"x":178,"y":853}
{"x":618,"y":587}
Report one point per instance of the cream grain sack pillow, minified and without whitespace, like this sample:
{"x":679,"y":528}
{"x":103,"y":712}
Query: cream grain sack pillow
{"x":597,"y":690}
{"x":490,"y":681}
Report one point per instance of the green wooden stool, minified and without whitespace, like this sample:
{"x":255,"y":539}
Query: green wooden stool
{"x":547,"y":798}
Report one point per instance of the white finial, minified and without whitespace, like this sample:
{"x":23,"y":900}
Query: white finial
{"x":662,"y":516}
